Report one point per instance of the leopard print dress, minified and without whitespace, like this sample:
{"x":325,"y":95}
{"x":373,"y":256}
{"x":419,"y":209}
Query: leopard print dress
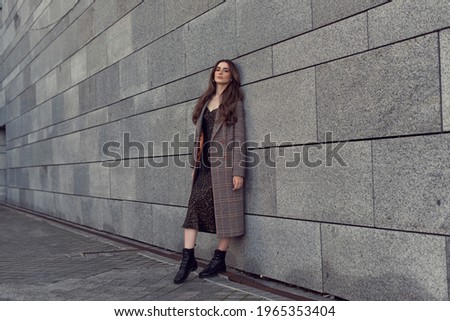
{"x":200,"y":214}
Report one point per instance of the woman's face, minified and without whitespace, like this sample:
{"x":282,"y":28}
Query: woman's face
{"x":222,"y":75}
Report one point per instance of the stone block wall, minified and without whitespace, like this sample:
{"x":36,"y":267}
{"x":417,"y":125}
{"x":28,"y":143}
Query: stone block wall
{"x":350,"y":197}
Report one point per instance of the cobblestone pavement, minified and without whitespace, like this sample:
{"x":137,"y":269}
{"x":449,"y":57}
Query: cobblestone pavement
{"x":45,"y":260}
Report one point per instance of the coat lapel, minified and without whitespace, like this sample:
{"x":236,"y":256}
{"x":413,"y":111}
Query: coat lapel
{"x":217,"y":124}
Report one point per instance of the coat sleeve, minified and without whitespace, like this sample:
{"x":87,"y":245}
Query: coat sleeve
{"x":239,"y":150}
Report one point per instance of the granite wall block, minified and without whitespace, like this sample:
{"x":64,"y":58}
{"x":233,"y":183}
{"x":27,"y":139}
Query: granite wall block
{"x":390,"y":91}
{"x":286,"y":250}
{"x":276,"y":106}
{"x":210,"y":37}
{"x":329,"y":11}
{"x":444,"y":39}
{"x":411,"y":183}
{"x":326,"y":182}
{"x":262,"y":23}
{"x":334,"y":41}
{"x":403,"y":19}
{"x":371,"y":264}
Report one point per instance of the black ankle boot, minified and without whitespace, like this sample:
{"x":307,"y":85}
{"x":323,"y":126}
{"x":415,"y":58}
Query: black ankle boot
{"x":217,"y":265}
{"x":188,"y":264}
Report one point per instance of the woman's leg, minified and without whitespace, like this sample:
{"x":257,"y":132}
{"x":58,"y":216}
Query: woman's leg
{"x":224,"y":243}
{"x":190,"y":235}
{"x":217,"y":263}
{"x":188,"y":261}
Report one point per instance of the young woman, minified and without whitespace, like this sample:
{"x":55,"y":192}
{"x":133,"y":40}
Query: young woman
{"x":216,"y":204}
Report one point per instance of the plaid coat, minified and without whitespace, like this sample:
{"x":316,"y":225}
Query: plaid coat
{"x":226,"y":155}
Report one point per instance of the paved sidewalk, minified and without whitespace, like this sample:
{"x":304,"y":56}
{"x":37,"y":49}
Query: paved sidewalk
{"x":45,"y":260}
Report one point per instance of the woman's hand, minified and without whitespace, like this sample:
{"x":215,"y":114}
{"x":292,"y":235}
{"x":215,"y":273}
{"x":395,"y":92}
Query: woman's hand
{"x":238,"y":181}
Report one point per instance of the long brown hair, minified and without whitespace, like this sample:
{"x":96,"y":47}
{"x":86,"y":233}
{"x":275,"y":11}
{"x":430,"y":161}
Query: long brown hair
{"x":230,"y":96}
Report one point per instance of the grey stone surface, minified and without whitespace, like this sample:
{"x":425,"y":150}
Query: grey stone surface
{"x":262,"y":23}
{"x":94,"y":118}
{"x":51,"y":84}
{"x":68,"y":207}
{"x":158,"y":127}
{"x":22,"y":179}
{"x":190,"y":87}
{"x":99,"y":180}
{"x":333,"y":190}
{"x":14,"y":87}
{"x":448,"y":264}
{"x":13,"y":109}
{"x":105,"y":14}
{"x":43,"y":202}
{"x":138,"y":221}
{"x":155,"y":184}
{"x":14,"y":129}
{"x":53,"y":178}
{"x":370,"y":264}
{"x":166,"y":59}
{"x":147,"y":23}
{"x":278,"y":105}
{"x":58,"y":112}
{"x":122,"y":109}
{"x":286,"y":250}
{"x":68,"y":41}
{"x":107,"y":86}
{"x":39,"y":67}
{"x":26,"y":71}
{"x":150,"y":100}
{"x":124,"y":7}
{"x":119,"y":40}
{"x":13,"y":195}
{"x":398,"y":20}
{"x":26,"y":198}
{"x":2,"y":177}
{"x":85,"y":24}
{"x":29,"y":99}
{"x":129,"y":181}
{"x":133,"y":74}
{"x":389,"y":91}
{"x":337,"y":40}
{"x":41,"y":116}
{"x":61,"y":128}
{"x":411,"y":183}
{"x":71,"y":102}
{"x":2,"y":99}
{"x":180,"y":12}
{"x":167,"y":231}
{"x":92,"y":210}
{"x":93,"y":140}
{"x":78,"y":64}
{"x":66,"y":149}
{"x":3,"y":193}
{"x":326,"y":11}
{"x":255,"y":66}
{"x":87,"y":95}
{"x":112,"y":216}
{"x":97,"y":57}
{"x":42,"y":153}
{"x":67,"y":179}
{"x":124,"y":181}
{"x":444,"y":38}
{"x":260,"y":183}
{"x":210,"y":37}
